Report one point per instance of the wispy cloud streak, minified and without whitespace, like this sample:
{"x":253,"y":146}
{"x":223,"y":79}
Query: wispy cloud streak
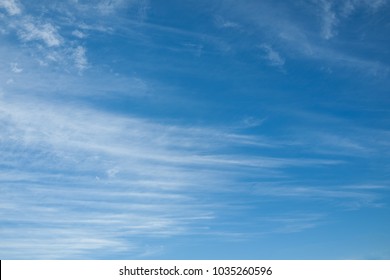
{"x":45,"y":32}
{"x":12,"y":7}
{"x":272,"y":56}
{"x":126,"y":174}
{"x":100,"y":156}
{"x":295,"y":37}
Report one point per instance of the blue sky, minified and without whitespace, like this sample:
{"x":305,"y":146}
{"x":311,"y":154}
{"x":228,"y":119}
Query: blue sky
{"x":194,"y":129}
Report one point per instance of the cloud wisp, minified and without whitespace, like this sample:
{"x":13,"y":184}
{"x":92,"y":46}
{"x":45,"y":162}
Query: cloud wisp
{"x":12,"y":7}
{"x":122,"y":131}
{"x":272,"y":56}
{"x":84,"y":175}
{"x":45,"y":32}
{"x":43,"y":38}
{"x":294,"y":37}
{"x":329,"y":20}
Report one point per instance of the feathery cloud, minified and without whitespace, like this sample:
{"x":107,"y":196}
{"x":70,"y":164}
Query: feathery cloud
{"x":220,"y":22}
{"x":78,"y":34}
{"x":351,"y":5}
{"x":15,"y":68}
{"x":80,"y":58}
{"x":110,"y":6}
{"x":98,"y":165}
{"x":37,"y":31}
{"x":272,"y":56}
{"x":12,"y":7}
{"x":329,"y":18}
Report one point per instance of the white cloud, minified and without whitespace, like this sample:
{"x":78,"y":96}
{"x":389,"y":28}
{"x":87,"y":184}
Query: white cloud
{"x":331,"y":16}
{"x":111,"y":173}
{"x":12,"y":7}
{"x":78,"y":34}
{"x":346,"y":197}
{"x":110,"y":6}
{"x":165,"y":172}
{"x":351,"y":5}
{"x":375,"y":4}
{"x":46,"y":44}
{"x":222,"y":23}
{"x":46,"y":243}
{"x":250,"y":122}
{"x":151,"y":196}
{"x":45,"y":32}
{"x":329,"y":20}
{"x":143,"y":8}
{"x":95,"y":27}
{"x":80,"y":58}
{"x":294,"y":222}
{"x":196,"y":49}
{"x":15,"y":68}
{"x":272,"y":56}
{"x":345,"y":143}
{"x":329,"y":13}
{"x":153,"y":179}
{"x":296,"y":37}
